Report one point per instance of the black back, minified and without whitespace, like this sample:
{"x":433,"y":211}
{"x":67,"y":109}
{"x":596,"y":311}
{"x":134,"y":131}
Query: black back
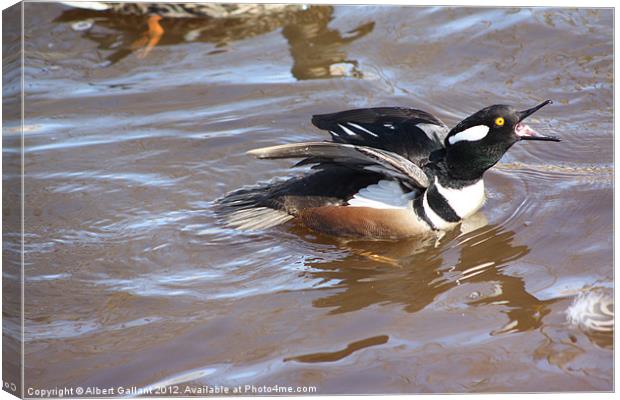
{"x":414,"y":134}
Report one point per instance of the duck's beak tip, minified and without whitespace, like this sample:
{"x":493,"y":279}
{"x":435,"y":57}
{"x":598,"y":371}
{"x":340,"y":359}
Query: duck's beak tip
{"x":526,"y":113}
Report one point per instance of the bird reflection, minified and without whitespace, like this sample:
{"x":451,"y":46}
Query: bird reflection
{"x":483,"y":258}
{"x":414,"y":272}
{"x":317,"y":50}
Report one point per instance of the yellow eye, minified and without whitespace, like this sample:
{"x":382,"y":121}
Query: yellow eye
{"x":499,"y":121}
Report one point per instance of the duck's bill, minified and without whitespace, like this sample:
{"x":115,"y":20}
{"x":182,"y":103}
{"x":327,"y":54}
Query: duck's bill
{"x":525,"y":132}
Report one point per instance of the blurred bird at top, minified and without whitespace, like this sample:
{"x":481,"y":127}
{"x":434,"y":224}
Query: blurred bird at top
{"x":156,"y":12}
{"x":318,"y":49}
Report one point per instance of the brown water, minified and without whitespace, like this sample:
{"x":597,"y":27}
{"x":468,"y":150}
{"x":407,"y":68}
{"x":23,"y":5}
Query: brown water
{"x":131,"y":280}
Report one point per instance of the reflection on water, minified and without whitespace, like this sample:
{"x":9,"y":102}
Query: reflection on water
{"x":317,"y":50}
{"x":339,"y":355}
{"x":131,"y":280}
{"x":413,"y":273}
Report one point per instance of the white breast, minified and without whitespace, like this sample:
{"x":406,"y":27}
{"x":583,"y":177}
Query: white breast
{"x":465,"y":201}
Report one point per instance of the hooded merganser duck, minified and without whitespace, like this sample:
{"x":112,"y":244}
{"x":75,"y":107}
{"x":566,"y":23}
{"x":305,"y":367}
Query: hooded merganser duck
{"x":388,"y":173}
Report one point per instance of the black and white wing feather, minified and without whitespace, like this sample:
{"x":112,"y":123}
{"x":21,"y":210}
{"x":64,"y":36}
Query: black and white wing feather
{"x":362,"y":157}
{"x":413,"y":134}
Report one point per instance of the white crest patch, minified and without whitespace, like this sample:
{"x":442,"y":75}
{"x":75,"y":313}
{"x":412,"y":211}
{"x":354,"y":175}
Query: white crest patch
{"x":470,"y":134}
{"x":384,"y":194}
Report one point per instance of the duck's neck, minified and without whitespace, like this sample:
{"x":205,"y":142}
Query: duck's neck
{"x":469,"y":162}
{"x":455,"y":174}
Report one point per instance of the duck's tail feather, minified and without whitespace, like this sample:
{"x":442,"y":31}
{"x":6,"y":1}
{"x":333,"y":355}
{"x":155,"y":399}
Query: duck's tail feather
{"x":257,"y":218}
{"x":248,"y":209}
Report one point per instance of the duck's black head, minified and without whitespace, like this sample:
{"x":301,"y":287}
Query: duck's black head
{"x":478,"y":142}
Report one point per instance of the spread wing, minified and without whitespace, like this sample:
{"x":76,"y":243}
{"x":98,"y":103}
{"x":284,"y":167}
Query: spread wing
{"x":366,"y":158}
{"x":413,"y":134}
